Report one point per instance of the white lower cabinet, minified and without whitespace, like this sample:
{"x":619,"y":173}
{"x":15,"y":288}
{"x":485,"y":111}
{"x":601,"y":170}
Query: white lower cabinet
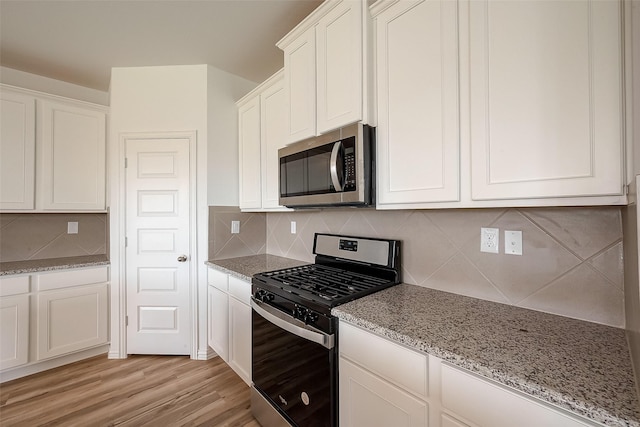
{"x":383,"y":383}
{"x":485,"y":403}
{"x":14,"y":322}
{"x":52,"y":318}
{"x":229,"y":317}
{"x":219,"y":322}
{"x":240,"y":338}
{"x":368,"y":400}
{"x":71,"y":319}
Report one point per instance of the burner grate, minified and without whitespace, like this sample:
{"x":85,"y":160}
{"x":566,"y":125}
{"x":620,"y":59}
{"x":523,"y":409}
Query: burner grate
{"x":327,"y":283}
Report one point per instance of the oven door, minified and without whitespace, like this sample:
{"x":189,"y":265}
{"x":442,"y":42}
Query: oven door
{"x":294,"y":367}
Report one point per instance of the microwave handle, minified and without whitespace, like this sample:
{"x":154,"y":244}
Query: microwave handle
{"x":337,"y":148}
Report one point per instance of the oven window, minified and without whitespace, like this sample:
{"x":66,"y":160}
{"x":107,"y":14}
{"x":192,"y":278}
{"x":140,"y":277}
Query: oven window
{"x":306,"y":173}
{"x":298,"y":376}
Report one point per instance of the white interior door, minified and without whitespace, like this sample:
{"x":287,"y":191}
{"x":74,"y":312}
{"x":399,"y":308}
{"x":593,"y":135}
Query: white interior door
{"x":158,"y":244}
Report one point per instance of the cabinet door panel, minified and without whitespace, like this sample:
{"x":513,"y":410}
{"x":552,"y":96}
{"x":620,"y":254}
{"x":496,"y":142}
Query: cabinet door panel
{"x":249,"y":122}
{"x":487,"y":404}
{"x":14,"y":331}
{"x":17,"y":151}
{"x":339,"y":68}
{"x":448,"y":421}
{"x":417,"y":86}
{"x":273,"y":138}
{"x":240,"y":339}
{"x":219,"y":322}
{"x":72,"y":157}
{"x":300,"y":87}
{"x":366,"y":400}
{"x":71,"y":319}
{"x":545,"y":99}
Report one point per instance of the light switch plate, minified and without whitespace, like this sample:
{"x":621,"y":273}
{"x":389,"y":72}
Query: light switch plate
{"x":72,"y":227}
{"x":513,"y":242}
{"x":293,"y":227}
{"x":235,"y":227}
{"x":489,"y":240}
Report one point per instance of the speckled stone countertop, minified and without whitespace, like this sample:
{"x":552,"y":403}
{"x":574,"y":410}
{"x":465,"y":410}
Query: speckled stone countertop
{"x":40,"y":265}
{"x":580,"y":366}
{"x":245,"y":267}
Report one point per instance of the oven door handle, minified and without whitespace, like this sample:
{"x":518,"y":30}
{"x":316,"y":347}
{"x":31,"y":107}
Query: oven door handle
{"x":283,"y":321}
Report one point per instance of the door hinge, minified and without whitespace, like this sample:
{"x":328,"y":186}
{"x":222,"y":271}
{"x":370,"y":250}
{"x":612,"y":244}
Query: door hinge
{"x":126,"y":242}
{"x":126,"y":320}
{"x":626,"y":189}
{"x":126,"y":163}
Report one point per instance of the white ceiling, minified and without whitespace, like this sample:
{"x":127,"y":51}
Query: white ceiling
{"x":79,"y":41}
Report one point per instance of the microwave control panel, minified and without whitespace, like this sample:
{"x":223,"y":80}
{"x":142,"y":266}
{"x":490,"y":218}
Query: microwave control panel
{"x":349,"y":164}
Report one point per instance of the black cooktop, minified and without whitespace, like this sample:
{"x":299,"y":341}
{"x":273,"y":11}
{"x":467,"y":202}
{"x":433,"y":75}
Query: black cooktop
{"x":319,"y":282}
{"x":346,"y":268}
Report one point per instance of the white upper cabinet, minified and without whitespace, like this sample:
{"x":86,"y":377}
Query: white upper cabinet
{"x":417,"y":89}
{"x":545,"y":99}
{"x":325,"y":63}
{"x":339,"y":43}
{"x":262,"y":129}
{"x":273,"y":128}
{"x":496,"y":103}
{"x":249,"y":136}
{"x":71,"y":142}
{"x":52,"y":153}
{"x":17,"y":150}
{"x":300,"y":86}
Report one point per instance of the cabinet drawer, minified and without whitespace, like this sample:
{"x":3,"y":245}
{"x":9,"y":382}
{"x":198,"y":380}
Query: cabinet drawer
{"x":408,"y":370}
{"x":485,"y":403}
{"x":68,"y":278}
{"x":240,"y":289}
{"x":14,"y":285}
{"x":218,"y":279}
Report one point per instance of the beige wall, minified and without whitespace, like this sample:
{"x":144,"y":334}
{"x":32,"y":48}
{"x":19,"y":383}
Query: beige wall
{"x":43,"y":236}
{"x":571,"y":264}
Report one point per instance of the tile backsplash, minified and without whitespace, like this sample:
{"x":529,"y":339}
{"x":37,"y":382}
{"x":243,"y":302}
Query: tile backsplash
{"x":31,"y":236}
{"x":572,"y":262}
{"x":250,"y":241}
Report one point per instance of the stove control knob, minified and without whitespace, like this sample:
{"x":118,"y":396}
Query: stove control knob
{"x":298,"y":311}
{"x":310,"y":317}
{"x":262,"y":295}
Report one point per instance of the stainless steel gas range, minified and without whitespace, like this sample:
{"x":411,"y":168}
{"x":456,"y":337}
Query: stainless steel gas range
{"x":294,"y":335}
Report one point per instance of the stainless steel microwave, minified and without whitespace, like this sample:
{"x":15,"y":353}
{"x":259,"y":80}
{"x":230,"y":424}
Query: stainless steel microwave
{"x":334,"y":169}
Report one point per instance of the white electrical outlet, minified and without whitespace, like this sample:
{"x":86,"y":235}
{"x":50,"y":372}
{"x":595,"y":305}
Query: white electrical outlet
{"x":293,"y":227}
{"x":235,"y":227}
{"x":513,"y":242}
{"x":489,"y":240}
{"x":72,"y":227}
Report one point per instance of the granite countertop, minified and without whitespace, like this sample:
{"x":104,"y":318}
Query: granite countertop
{"x":40,"y":265}
{"x":580,"y":366}
{"x":245,"y":267}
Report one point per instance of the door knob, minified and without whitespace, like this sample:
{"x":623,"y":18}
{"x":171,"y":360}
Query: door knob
{"x":182,"y":258}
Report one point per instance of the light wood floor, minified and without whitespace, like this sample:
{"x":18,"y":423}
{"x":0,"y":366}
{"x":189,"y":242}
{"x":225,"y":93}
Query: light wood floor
{"x":138,"y":391}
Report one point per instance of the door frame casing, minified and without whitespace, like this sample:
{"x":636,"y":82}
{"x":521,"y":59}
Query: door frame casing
{"x":117,"y":222}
